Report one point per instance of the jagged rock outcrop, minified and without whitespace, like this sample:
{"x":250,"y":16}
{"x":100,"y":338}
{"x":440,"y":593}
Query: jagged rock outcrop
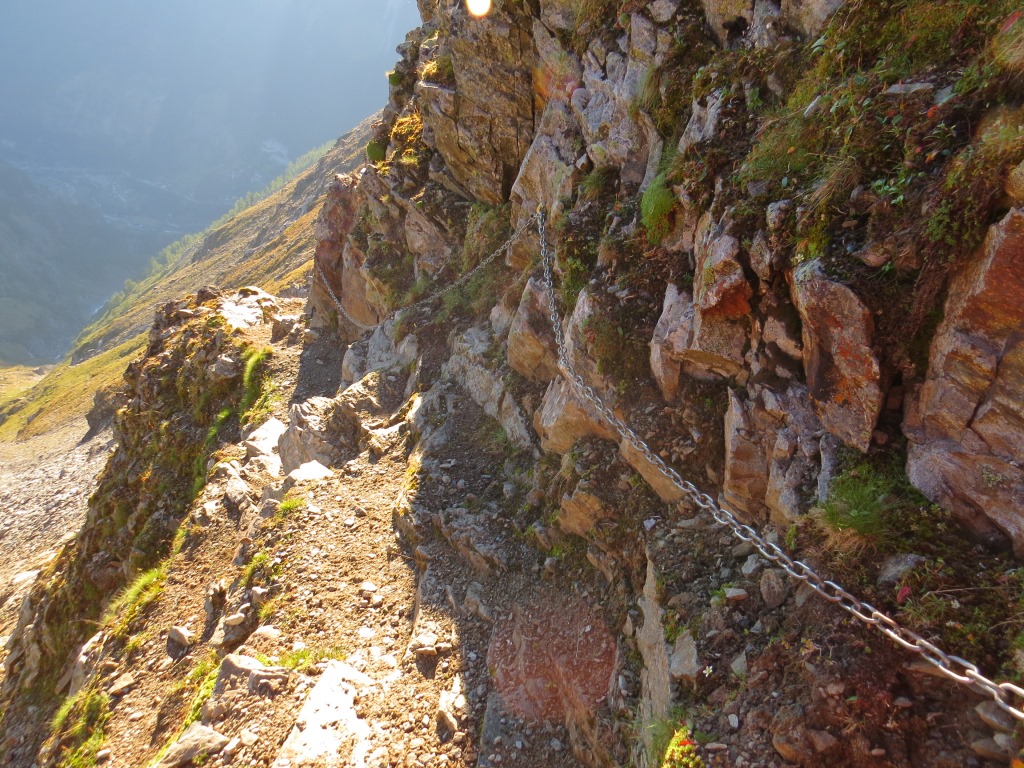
{"x":588,"y":590}
{"x":965,"y":424}
{"x":176,"y":393}
{"x":482,"y":125}
{"x":843,"y":376}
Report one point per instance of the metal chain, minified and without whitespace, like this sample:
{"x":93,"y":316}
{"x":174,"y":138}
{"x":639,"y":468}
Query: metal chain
{"x":518,"y":233}
{"x":1008,"y":696}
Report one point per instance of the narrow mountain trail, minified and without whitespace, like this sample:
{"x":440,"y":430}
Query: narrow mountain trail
{"x":377,"y":573}
{"x":360,"y":627}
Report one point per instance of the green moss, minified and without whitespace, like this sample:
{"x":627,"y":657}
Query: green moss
{"x":376,"y":151}
{"x":656,"y":207}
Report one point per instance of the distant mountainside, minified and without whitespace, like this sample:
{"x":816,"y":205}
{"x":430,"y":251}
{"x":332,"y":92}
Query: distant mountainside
{"x":269,"y":244}
{"x":161,"y":114}
{"x":59,"y":263}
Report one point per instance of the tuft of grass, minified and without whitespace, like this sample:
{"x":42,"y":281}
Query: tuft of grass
{"x":598,"y":183}
{"x":133,"y":600}
{"x":78,"y":728}
{"x":439,"y":71}
{"x":204,"y":678}
{"x":306,"y":659}
{"x":291,"y":504}
{"x":254,"y":383}
{"x":376,"y":151}
{"x":259,"y":562}
{"x":859,"y":500}
{"x":656,"y":208}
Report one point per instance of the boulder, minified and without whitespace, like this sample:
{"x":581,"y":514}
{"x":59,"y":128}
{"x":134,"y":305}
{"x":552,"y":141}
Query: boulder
{"x":965,"y":424}
{"x":558,"y":14}
{"x":662,"y":11}
{"x":809,"y":17}
{"x":224,"y":368}
{"x":320,"y":429}
{"x":579,"y":333}
{"x":181,"y":636}
{"x":603,"y":108}
{"x":773,"y":447}
{"x":563,"y":419}
{"x":338,"y":260}
{"x":581,"y":510}
{"x":547,"y":176}
{"x":263,"y":440}
{"x":720,"y":287}
{"x":531,"y":340}
{"x":484,"y":132}
{"x":468,"y":366}
{"x":196,"y":740}
{"x":841,"y":368}
{"x":702,"y":127}
{"x":665,"y":489}
{"x":655,"y":679}
{"x":704,"y":345}
{"x":426,"y":241}
{"x":746,"y":465}
{"x":684,"y":664}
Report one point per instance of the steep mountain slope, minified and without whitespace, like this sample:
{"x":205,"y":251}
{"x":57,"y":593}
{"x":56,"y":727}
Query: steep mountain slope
{"x":577,"y":503}
{"x":269,"y":244}
{"x":59,"y":262}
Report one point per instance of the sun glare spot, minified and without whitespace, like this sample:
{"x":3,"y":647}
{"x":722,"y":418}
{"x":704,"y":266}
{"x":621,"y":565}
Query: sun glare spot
{"x":478,"y":7}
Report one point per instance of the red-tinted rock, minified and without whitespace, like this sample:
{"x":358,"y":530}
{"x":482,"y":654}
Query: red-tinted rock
{"x":966,"y":424}
{"x":841,"y":367}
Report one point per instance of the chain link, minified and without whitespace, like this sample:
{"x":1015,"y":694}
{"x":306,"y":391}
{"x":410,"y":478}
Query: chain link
{"x":518,"y":233}
{"x":1007,"y":696}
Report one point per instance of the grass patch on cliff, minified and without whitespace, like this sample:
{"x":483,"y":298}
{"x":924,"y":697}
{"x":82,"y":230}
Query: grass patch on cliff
{"x":439,"y":71}
{"x":656,"y":206}
{"x":132,"y":601}
{"x":78,"y":728}
{"x":202,"y":679}
{"x":487,"y":227}
{"x":257,"y":389}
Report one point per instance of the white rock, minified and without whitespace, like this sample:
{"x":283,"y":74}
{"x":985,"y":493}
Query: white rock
{"x":198,"y":739}
{"x":181,"y":636}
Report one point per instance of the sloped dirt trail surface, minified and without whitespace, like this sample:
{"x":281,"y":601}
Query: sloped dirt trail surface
{"x":347,"y":607}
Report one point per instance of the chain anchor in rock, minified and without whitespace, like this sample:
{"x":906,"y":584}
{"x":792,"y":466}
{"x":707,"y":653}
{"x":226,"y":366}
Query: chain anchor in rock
{"x":1007,"y":696}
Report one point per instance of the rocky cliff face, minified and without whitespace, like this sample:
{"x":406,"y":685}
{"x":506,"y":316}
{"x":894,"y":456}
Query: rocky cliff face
{"x":758,"y":210}
{"x":784,"y":241}
{"x":653,"y":132}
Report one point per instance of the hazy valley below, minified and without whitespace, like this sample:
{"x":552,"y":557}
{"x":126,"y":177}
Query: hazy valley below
{"x":127,"y":127}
